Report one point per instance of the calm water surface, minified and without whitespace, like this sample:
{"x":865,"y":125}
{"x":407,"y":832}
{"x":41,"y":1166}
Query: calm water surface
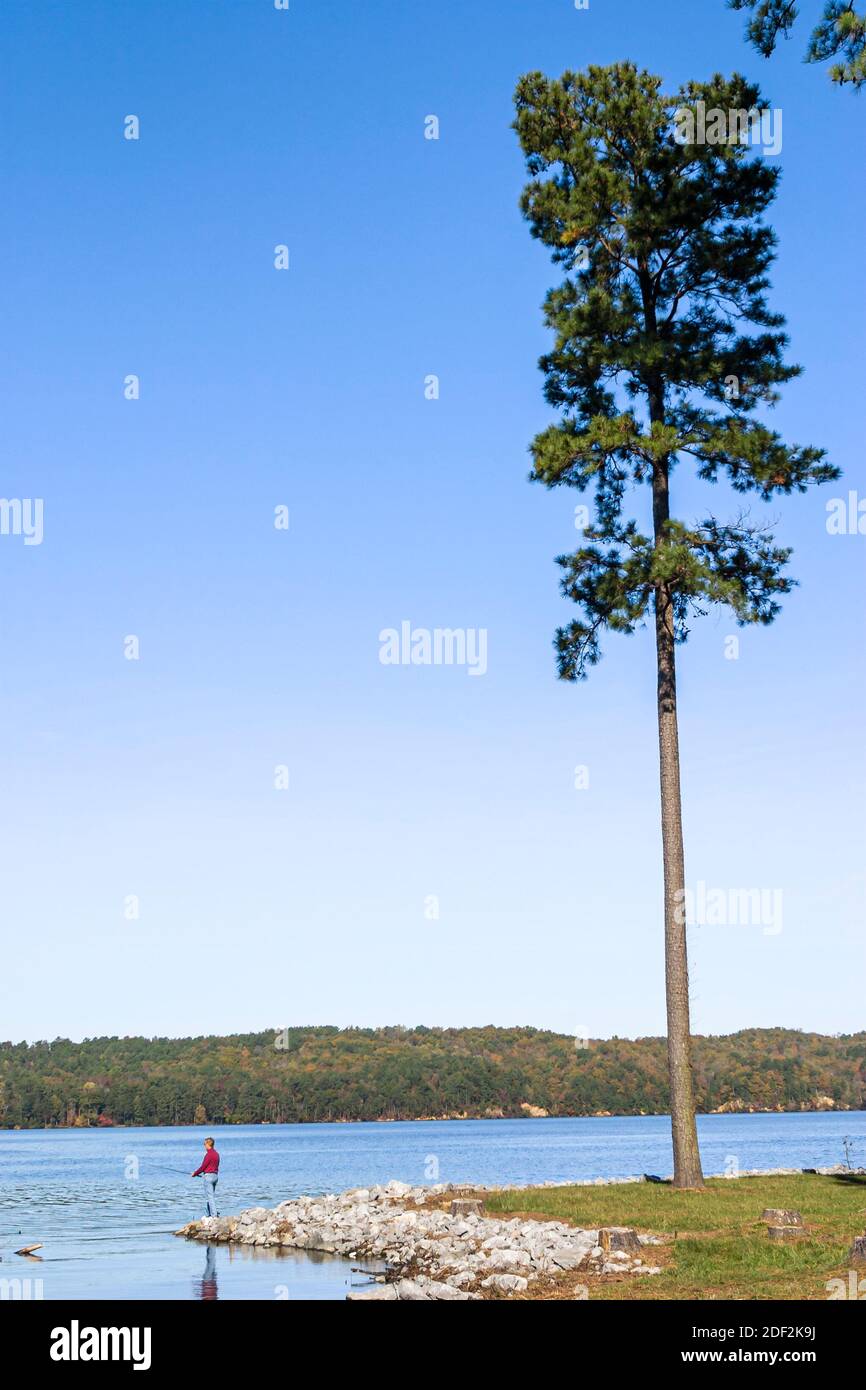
{"x":104,"y":1203}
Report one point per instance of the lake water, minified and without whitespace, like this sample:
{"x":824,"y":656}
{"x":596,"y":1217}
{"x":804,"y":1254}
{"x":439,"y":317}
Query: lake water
{"x":104,"y":1203}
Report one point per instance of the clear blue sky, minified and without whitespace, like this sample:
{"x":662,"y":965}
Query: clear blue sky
{"x":262,"y":907}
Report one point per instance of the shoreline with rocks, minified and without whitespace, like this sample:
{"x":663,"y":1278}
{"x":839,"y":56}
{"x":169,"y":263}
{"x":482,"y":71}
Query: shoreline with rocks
{"x":438,"y":1243}
{"x":432,"y":1243}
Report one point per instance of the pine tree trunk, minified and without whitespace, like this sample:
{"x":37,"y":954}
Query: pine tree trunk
{"x":687,"y":1159}
{"x":684,"y":1131}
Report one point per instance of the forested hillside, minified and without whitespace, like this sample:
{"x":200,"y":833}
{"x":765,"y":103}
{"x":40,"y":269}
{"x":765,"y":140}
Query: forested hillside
{"x":325,"y":1073}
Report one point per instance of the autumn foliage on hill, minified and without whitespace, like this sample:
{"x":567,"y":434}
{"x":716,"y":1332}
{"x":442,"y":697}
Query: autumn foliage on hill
{"x":329,"y":1074}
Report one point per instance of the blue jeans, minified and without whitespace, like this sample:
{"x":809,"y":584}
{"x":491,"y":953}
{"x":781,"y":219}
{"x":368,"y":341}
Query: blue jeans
{"x":210,"y":1181}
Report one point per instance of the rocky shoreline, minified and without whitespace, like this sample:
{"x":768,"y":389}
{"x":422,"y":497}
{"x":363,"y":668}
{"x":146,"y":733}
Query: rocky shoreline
{"x":432,"y":1242}
{"x":437,"y":1242}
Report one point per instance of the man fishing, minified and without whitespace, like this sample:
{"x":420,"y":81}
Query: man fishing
{"x":209,"y":1170}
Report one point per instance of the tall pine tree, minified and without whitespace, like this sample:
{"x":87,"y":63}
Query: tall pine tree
{"x":664,"y":350}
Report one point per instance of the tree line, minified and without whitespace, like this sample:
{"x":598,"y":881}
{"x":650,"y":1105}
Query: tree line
{"x":329,"y":1074}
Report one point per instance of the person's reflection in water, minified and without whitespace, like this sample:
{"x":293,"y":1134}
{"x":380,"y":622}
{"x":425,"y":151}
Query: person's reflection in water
{"x":207,"y":1285}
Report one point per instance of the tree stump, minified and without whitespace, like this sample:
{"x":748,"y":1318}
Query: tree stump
{"x":623,"y":1238}
{"x":785,"y":1232}
{"x":776,"y":1216}
{"x":857,"y":1254}
{"x":467,"y":1206}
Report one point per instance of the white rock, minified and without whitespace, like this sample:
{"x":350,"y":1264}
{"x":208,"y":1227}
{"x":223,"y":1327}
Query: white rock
{"x":568,"y":1258}
{"x":507,"y":1283}
{"x":386,"y":1292}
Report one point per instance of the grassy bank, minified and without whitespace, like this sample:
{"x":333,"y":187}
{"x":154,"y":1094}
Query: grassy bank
{"x":715,"y":1244}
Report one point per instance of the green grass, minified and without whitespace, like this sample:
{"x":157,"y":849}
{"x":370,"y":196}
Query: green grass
{"x":717,"y":1246}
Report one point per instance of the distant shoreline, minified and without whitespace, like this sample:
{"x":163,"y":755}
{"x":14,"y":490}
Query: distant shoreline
{"x":424,"y":1119}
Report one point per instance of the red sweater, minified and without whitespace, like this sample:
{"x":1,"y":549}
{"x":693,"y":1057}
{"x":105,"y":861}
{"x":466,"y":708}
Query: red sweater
{"x":210,"y":1164}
